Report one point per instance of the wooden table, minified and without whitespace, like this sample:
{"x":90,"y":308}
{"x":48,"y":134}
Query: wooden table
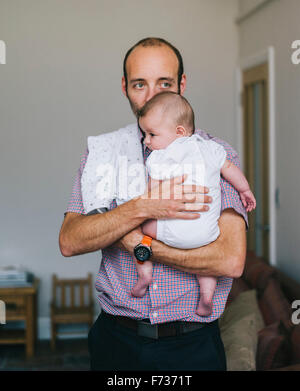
{"x":20,"y":304}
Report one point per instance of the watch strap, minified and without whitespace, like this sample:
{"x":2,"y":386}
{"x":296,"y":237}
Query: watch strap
{"x":146,"y":241}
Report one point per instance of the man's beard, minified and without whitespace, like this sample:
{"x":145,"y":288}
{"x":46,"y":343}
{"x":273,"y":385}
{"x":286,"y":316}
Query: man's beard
{"x":134,"y":107}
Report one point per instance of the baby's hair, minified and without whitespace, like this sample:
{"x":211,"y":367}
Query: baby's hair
{"x":172,"y":104}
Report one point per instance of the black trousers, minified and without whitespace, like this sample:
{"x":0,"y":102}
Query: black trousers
{"x":113,"y":347}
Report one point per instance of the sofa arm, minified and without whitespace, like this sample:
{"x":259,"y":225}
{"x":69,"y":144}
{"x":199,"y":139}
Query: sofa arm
{"x":295,"y":367}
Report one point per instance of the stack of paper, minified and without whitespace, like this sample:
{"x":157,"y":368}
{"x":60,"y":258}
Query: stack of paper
{"x":11,"y":276}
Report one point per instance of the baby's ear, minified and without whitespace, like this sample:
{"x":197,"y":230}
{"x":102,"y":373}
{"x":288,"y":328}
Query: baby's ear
{"x":180,"y":131}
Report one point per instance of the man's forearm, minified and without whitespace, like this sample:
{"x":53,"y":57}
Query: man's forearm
{"x":223,"y":257}
{"x":83,"y":234}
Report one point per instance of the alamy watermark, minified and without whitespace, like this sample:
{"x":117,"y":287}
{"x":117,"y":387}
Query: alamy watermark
{"x":296,"y":314}
{"x":2,"y":312}
{"x":296,"y":54}
{"x":2,"y":52}
{"x":130,"y":181}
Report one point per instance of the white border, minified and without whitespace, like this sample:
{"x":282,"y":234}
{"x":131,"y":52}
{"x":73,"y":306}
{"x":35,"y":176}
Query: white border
{"x":268,"y":56}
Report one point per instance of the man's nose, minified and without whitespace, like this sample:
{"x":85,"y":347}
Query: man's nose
{"x":151,"y":92}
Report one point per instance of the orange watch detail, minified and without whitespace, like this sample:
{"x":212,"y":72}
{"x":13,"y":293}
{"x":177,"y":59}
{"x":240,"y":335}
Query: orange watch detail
{"x":146,"y":241}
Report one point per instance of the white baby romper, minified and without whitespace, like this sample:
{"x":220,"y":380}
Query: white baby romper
{"x":202,"y":160}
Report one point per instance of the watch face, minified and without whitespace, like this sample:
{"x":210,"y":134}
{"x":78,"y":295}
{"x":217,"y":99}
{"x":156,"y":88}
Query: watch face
{"x":142,"y":253}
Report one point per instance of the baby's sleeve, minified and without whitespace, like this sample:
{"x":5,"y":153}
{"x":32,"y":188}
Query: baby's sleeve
{"x":153,"y":164}
{"x":217,"y":154}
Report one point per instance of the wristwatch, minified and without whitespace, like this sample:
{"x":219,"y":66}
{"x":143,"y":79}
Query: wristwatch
{"x":143,"y":250}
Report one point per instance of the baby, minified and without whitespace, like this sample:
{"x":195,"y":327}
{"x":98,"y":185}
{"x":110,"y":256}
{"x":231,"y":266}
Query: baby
{"x":167,"y":121}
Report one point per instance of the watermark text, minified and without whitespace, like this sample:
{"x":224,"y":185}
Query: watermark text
{"x":130,"y":181}
{"x":296,"y":314}
{"x":2,"y":52}
{"x":296,"y":54}
{"x":2,"y":312}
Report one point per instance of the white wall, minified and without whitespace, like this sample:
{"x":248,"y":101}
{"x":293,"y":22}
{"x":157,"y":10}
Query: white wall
{"x":278,"y":25}
{"x":246,"y":6}
{"x":61,"y":83}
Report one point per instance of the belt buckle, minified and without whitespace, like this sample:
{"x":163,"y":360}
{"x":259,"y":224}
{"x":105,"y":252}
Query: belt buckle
{"x":148,"y":330}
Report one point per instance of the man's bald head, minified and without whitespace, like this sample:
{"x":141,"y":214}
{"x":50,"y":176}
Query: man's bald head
{"x":154,"y":42}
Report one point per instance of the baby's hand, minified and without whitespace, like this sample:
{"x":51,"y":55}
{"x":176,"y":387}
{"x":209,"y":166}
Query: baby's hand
{"x":248,"y":200}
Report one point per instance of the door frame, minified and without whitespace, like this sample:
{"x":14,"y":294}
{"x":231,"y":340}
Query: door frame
{"x":265,"y":56}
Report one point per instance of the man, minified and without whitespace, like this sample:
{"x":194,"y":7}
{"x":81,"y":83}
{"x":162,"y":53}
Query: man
{"x":161,"y":330}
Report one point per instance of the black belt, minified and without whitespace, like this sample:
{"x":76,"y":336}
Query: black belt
{"x":144,"y":328}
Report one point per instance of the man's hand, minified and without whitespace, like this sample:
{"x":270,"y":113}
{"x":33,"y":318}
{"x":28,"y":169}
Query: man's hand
{"x":171,"y":199}
{"x":81,"y":234}
{"x":168,"y":199}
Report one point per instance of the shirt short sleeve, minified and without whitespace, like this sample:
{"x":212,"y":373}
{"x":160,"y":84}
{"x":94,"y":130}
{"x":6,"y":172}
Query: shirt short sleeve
{"x":217,"y":154}
{"x":75,"y":204}
{"x":229,"y":195}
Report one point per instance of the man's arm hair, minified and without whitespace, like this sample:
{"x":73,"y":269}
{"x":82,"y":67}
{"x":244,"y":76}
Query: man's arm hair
{"x":82,"y":234}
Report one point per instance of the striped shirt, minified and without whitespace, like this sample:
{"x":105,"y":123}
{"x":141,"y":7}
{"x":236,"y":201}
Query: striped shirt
{"x":173,"y":294}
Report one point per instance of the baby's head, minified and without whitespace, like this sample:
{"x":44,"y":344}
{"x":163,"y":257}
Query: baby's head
{"x":164,"y":118}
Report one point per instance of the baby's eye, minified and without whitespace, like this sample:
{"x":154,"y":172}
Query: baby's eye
{"x":152,"y":135}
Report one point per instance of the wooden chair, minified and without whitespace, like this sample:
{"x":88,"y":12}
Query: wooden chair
{"x":66,"y":308}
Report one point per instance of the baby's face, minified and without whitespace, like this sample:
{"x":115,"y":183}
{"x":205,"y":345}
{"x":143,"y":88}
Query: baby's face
{"x":159,"y":131}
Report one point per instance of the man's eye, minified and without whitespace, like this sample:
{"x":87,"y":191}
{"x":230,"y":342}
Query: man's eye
{"x":138,"y":85}
{"x":165,"y":85}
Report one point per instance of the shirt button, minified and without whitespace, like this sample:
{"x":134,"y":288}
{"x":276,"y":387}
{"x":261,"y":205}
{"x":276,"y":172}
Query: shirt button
{"x":154,"y":287}
{"x":154,"y":314}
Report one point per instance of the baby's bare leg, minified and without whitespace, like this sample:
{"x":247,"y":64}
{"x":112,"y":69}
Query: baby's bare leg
{"x":145,"y":270}
{"x":144,"y":278}
{"x":207,"y":290}
{"x":149,"y":227}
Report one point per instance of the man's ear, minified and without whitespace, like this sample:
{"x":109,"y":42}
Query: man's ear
{"x":124,"y":86}
{"x":180,"y":131}
{"x":182,"y":84}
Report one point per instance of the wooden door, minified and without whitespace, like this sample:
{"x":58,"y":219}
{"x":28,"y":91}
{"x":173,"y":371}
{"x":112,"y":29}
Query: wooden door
{"x":256,"y":155}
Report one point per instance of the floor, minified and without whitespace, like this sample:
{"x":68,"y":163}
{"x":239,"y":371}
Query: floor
{"x":70,"y":355}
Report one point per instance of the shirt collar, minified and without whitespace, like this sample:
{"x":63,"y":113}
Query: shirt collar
{"x":140,"y":133}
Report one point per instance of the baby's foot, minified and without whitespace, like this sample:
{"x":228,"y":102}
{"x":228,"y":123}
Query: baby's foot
{"x":204,"y":307}
{"x":140,"y":287}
